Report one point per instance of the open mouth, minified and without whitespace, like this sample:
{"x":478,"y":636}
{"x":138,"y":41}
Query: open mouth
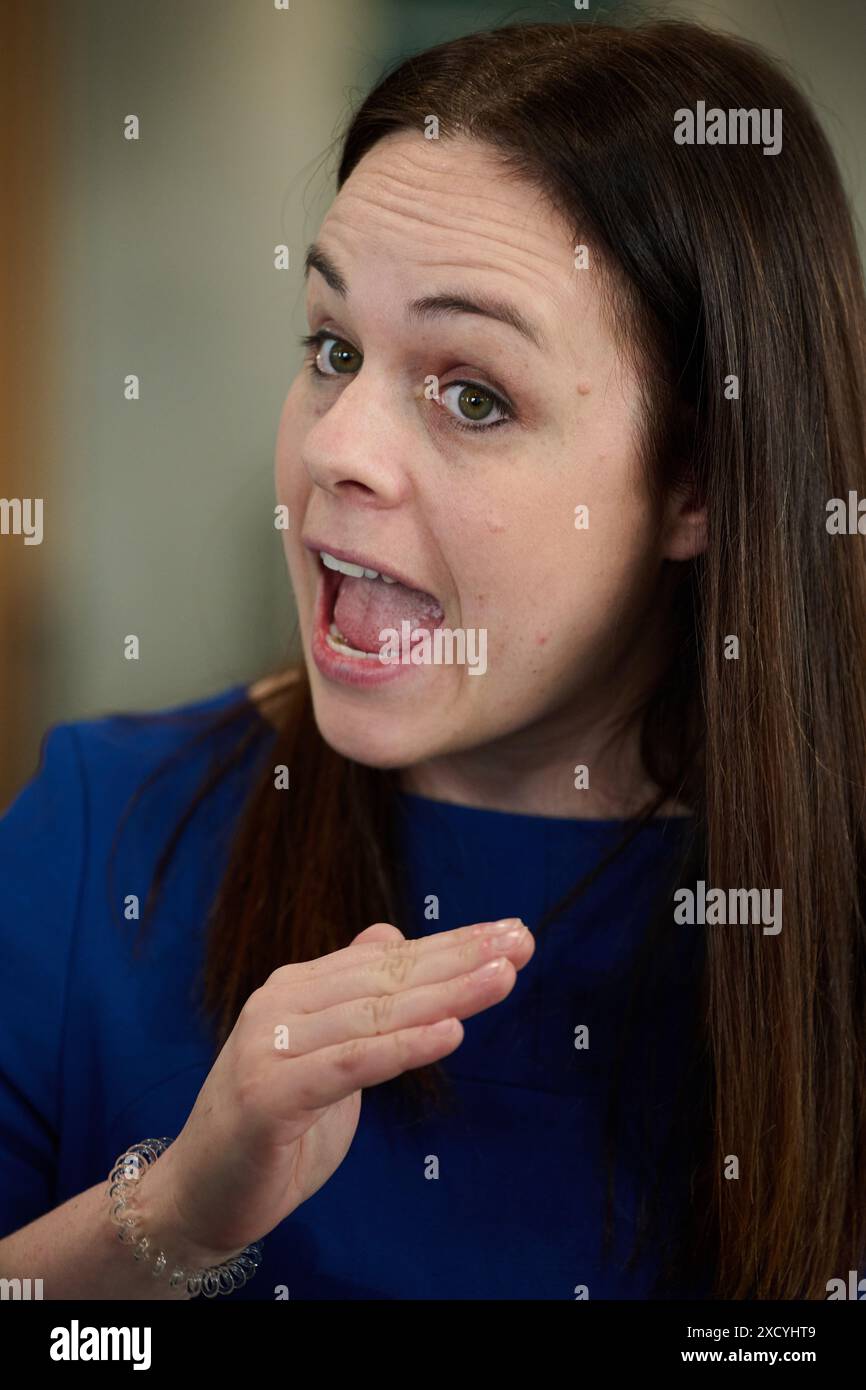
{"x":360,"y":604}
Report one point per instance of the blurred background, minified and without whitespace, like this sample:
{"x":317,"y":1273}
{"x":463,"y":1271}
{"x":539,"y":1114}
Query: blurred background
{"x":156,"y":257}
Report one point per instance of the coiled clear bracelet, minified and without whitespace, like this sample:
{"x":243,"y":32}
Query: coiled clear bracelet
{"x":127,"y":1173}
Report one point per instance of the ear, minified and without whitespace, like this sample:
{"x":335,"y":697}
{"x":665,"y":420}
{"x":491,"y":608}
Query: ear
{"x":684,"y":524}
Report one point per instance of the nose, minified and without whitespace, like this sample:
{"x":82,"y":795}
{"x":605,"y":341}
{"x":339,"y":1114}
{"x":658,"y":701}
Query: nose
{"x":357,"y":449}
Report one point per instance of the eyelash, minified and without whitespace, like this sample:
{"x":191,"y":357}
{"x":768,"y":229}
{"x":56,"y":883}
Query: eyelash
{"x":315,"y":340}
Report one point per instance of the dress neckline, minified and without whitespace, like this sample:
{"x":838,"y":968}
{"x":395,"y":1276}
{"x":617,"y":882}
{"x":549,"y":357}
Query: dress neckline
{"x":460,"y":810}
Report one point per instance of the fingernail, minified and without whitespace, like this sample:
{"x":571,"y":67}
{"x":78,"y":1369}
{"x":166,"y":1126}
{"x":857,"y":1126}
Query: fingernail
{"x":504,"y":924}
{"x":490,"y":969}
{"x":443,"y":1027}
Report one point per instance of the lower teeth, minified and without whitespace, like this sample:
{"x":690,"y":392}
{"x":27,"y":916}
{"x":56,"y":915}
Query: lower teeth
{"x":337,"y":642}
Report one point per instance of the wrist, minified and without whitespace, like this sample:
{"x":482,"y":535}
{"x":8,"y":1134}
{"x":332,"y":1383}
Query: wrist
{"x":156,"y":1204}
{"x":146,"y":1212}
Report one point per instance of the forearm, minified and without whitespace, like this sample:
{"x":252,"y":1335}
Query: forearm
{"x":76,"y":1252}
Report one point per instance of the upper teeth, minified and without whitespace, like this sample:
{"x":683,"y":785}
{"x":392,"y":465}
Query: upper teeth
{"x":354,"y":571}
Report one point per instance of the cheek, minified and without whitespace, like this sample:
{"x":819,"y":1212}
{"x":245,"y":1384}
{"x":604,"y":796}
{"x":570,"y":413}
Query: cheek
{"x":289,"y":472}
{"x":558,"y":583}
{"x":601,"y":589}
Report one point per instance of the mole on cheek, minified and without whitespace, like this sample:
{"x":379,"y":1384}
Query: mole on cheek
{"x":583,"y":388}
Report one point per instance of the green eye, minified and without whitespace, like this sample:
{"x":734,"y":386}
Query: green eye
{"x":469,"y":405}
{"x":341,"y":357}
{"x":475,"y":404}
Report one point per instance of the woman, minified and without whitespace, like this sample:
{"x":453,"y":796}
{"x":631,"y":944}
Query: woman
{"x":578,"y":392}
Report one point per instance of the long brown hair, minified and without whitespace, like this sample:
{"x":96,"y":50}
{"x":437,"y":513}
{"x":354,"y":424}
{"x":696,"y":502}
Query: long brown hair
{"x":716,"y":262}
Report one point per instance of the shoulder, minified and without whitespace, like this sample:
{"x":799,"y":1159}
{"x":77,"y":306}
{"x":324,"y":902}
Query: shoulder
{"x":94,"y":773}
{"x":88,"y":772}
{"x":131,"y":743}
{"x":90,"y":826}
{"x":42,"y":832}
{"x":101,"y":761}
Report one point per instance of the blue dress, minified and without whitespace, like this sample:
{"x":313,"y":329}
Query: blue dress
{"x":499,"y":1194}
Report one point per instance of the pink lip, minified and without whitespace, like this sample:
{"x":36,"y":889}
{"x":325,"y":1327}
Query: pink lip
{"x":368,"y":562}
{"x":346,"y":670}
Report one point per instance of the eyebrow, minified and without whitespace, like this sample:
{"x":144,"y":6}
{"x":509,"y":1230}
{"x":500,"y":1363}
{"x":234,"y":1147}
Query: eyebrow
{"x":434,"y":305}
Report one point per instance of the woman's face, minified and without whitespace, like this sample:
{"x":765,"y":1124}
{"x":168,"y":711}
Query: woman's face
{"x":471,"y":498}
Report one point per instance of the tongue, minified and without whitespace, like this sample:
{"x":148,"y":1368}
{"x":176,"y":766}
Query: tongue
{"x":365,"y":606}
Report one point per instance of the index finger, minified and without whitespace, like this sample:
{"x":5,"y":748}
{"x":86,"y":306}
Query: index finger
{"x":370,"y":950}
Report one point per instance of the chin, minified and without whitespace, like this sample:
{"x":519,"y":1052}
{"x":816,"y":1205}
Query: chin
{"x":368,"y":739}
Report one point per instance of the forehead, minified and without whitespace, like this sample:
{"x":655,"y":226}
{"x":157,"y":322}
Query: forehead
{"x":418,"y":214}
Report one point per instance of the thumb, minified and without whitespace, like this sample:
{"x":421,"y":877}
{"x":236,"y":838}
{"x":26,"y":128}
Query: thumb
{"x":379,"y":931}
